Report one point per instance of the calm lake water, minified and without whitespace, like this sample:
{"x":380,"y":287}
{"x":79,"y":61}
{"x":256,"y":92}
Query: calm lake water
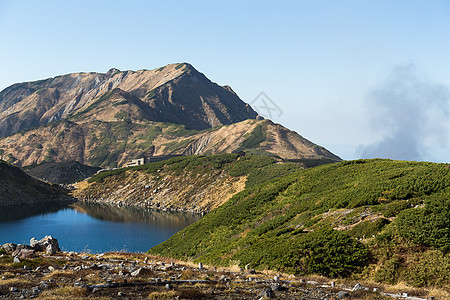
{"x":92,"y":227}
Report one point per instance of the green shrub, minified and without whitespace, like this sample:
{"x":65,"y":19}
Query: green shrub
{"x":333,"y":253}
{"x":367,"y":228}
{"x":257,"y":136}
{"x":431,"y":268}
{"x":430,"y":225}
{"x":246,"y":164}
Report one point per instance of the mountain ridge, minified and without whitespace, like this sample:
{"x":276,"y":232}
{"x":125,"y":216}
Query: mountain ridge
{"x":107,"y":119}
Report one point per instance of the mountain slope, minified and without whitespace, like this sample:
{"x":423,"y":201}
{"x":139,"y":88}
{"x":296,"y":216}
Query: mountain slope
{"x":108,"y":119}
{"x":61,"y":173}
{"x":331,"y":220}
{"x":175,"y":93}
{"x":16,"y":188}
{"x":112,"y":144}
{"x":188,"y":183}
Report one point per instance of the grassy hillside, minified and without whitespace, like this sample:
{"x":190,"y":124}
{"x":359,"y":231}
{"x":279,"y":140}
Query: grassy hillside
{"x":382,"y":220}
{"x":192,"y":183}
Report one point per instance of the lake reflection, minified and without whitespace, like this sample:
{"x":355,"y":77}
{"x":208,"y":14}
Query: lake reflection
{"x":92,"y":227}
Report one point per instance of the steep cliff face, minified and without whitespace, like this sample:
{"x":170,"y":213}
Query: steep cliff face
{"x":17,"y":188}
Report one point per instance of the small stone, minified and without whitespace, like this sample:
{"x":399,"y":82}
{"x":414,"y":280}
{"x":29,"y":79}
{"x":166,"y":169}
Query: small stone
{"x":85,"y":257}
{"x":65,"y":267}
{"x":13,"y":289}
{"x":121,"y":294}
{"x":137,"y":272}
{"x":168,"y":287}
{"x":357,"y":286}
{"x":96,"y":289}
{"x":44,"y":286}
{"x":332,"y":284}
{"x":35,"y":290}
{"x":16,"y":260}
{"x":276,"y":278}
{"x":267,"y":293}
{"x":342,"y":294}
{"x":275,"y":286}
{"x":376,"y":290}
{"x":51,"y":269}
{"x":200,"y":266}
{"x":251,"y":279}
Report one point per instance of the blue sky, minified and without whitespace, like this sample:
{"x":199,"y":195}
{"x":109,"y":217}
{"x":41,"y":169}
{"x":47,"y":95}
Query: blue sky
{"x":324,"y":63}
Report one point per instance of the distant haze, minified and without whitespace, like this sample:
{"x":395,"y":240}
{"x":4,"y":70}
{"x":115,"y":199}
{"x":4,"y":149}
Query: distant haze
{"x":411,"y":114}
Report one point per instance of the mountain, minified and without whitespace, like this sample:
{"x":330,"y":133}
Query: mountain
{"x":176,"y":93}
{"x":376,"y":220}
{"x":16,"y":188}
{"x":108,"y":119}
{"x":61,"y":173}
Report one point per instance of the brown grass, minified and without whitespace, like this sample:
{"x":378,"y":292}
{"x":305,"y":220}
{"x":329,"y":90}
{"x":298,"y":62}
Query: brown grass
{"x":67,"y":292}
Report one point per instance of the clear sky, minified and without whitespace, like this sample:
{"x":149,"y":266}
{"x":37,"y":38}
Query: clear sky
{"x":361,"y":78}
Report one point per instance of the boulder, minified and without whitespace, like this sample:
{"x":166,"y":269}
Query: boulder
{"x":51,"y":249}
{"x":26,"y":253}
{"x":43,"y":244}
{"x":21,"y":251}
{"x":357,"y":286}
{"x":342,"y":294}
{"x":267,"y":293}
{"x":9,"y":247}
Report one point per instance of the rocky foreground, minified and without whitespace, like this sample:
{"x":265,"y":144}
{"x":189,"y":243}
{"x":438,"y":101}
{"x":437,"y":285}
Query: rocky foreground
{"x":42,"y":270}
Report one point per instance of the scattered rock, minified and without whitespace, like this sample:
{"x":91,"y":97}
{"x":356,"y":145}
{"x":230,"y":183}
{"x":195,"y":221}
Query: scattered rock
{"x":48,"y":244}
{"x":267,"y":293}
{"x":35,"y":290}
{"x":137,"y":272}
{"x":13,"y":289}
{"x":275,"y":287}
{"x":357,"y":286}
{"x":200,"y":266}
{"x":9,"y":247}
{"x":26,"y":253}
{"x":342,"y":294}
{"x":121,"y":294}
{"x":16,"y":260}
{"x":51,"y":269}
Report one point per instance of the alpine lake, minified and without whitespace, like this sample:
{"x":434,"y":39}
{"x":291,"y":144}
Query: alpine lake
{"x":91,"y":227}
